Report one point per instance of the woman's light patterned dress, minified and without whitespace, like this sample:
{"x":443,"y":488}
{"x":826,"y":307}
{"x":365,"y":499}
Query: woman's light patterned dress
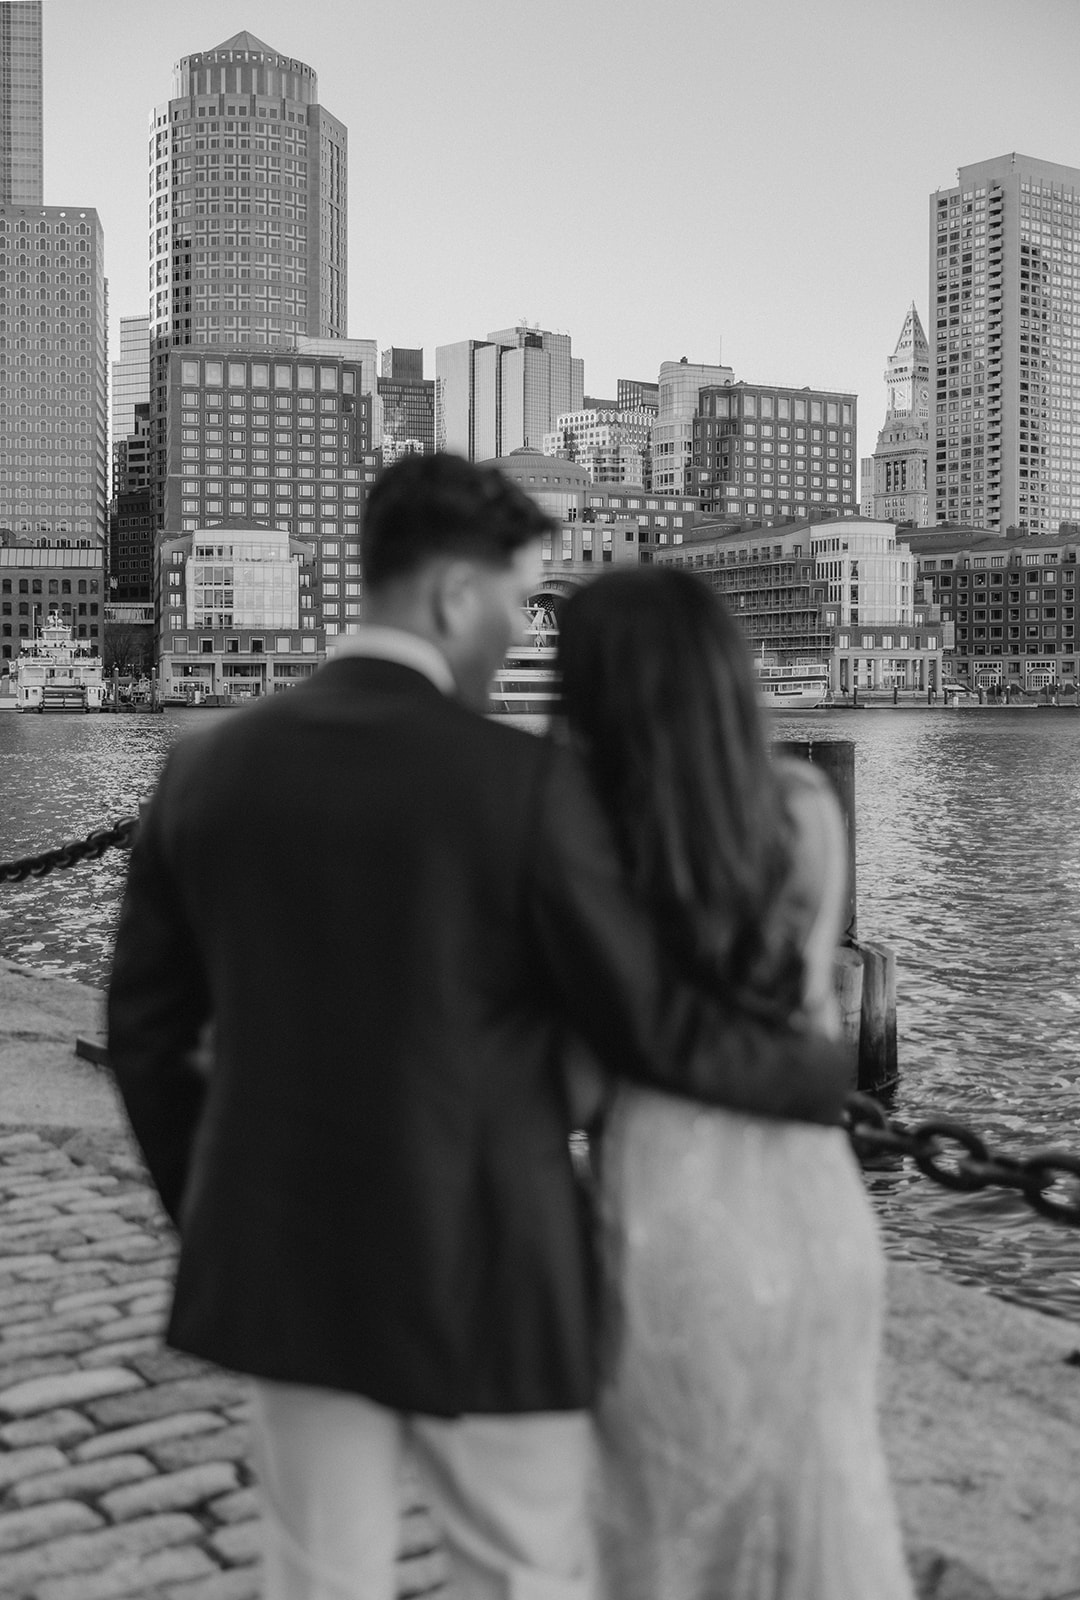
{"x":740,"y":1454}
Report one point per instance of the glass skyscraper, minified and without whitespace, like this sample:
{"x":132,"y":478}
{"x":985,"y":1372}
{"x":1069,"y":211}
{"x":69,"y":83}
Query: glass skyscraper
{"x":20,"y":103}
{"x":504,"y":392}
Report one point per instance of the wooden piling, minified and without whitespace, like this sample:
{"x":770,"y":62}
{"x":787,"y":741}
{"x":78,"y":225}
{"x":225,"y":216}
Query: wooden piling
{"x":836,"y":759}
{"x":848,"y":981}
{"x":877,"y":1029}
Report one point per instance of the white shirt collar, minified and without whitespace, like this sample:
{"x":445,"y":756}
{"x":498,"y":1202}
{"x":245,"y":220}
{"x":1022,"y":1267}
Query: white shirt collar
{"x":395,"y":644}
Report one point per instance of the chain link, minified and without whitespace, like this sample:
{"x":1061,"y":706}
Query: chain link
{"x":946,"y":1151}
{"x":958,"y":1159}
{"x":91,"y":848}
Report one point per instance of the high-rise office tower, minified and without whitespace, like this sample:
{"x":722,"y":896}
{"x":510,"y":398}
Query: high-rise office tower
{"x":54,"y":420}
{"x":504,"y":392}
{"x":248,"y":212}
{"x":1005,"y":343}
{"x":408,"y":404}
{"x":54,"y":424}
{"x":20,"y":103}
{"x":896,"y":485}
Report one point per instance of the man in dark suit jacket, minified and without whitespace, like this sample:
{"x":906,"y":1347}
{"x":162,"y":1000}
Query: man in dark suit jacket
{"x":389,"y":909}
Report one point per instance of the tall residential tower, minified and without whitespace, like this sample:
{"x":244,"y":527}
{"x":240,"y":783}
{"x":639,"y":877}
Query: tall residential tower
{"x":1005,"y":288}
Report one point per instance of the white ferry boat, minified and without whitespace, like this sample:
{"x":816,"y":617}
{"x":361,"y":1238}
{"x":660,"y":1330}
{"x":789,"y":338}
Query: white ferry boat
{"x":57,"y":672}
{"x":800,"y":686}
{"x":527,"y":684}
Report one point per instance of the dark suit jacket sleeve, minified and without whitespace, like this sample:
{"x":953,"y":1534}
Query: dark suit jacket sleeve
{"x":643,"y":1021}
{"x":158,"y":1003}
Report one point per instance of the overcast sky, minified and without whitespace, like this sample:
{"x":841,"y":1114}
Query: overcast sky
{"x":719,"y":179}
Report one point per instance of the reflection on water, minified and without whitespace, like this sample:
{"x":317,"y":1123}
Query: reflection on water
{"x":968,"y":866}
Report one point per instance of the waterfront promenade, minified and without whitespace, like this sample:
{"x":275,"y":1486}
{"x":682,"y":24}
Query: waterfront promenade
{"x":124,"y":1467}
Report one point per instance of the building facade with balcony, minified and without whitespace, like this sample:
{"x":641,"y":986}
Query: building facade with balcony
{"x":235,"y":612}
{"x":1009,"y":604}
{"x":838,"y":592}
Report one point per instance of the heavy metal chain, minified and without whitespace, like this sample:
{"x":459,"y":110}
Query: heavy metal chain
{"x":957,"y":1158}
{"x":942,"y":1149}
{"x":66,"y":855}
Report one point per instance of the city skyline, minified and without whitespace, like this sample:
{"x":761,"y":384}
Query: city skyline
{"x":755,"y":195}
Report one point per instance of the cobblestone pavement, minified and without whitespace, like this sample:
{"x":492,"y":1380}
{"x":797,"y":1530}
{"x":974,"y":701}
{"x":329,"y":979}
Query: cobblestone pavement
{"x":123,"y":1465}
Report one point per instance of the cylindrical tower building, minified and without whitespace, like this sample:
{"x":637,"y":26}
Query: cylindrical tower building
{"x":248,"y":207}
{"x":248,"y":211}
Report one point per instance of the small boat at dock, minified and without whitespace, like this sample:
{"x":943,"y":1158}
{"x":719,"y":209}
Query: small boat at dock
{"x":57,"y":672}
{"x":796,"y":686}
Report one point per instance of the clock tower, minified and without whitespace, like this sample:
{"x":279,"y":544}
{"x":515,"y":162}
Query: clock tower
{"x":896,"y":485}
{"x":908,"y":375}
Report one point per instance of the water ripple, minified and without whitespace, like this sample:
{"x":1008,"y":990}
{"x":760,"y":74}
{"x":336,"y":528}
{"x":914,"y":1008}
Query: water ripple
{"x":968,"y":865}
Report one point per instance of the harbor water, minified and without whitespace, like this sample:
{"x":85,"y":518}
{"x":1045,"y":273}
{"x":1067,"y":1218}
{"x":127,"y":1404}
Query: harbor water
{"x":968,"y":867}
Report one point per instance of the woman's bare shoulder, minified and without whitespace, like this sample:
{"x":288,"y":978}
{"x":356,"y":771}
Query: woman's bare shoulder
{"x":815,"y":814}
{"x":805,"y":788}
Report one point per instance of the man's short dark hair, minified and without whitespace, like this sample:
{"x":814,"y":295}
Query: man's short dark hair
{"x":424,"y":507}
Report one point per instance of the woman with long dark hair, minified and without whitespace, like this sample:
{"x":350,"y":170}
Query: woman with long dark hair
{"x":739,"y":1450}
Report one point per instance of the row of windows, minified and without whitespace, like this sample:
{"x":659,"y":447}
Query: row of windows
{"x":54,"y":586}
{"x":213,"y":404}
{"x":60,"y":229}
{"x":1030,"y":613}
{"x":1031,"y":631}
{"x":978,"y":581}
{"x":24,"y":608}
